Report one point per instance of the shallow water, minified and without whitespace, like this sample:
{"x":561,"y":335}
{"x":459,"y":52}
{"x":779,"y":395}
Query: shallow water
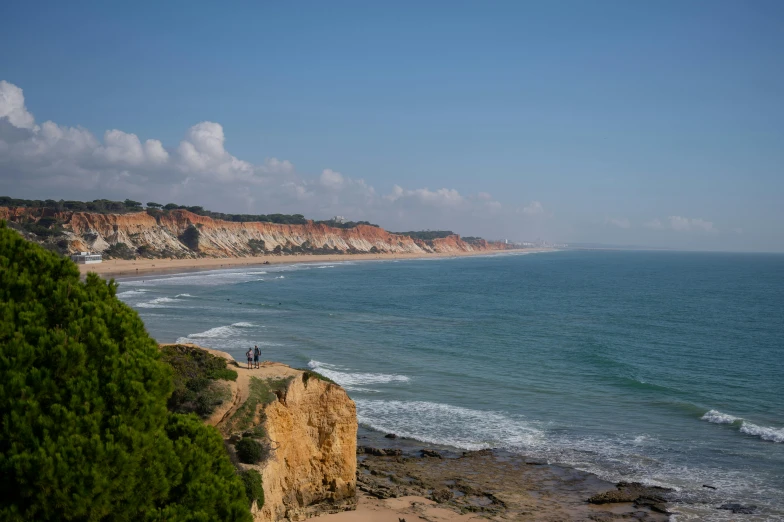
{"x":656,"y":366}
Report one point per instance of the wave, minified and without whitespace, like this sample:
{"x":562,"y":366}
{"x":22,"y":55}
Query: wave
{"x":220,"y":331}
{"x":438,"y":423}
{"x":183,"y":295}
{"x":159,"y":302}
{"x":717,"y":417}
{"x":764,"y":433}
{"x":129,"y":293}
{"x":769,"y":434}
{"x":349,"y":379}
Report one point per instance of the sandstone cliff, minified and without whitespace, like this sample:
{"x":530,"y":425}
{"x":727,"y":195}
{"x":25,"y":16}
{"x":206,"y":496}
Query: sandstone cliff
{"x":310,"y":429}
{"x":141,"y":234}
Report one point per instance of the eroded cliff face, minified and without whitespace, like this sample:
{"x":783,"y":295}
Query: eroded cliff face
{"x":309,"y":427}
{"x":161,"y":236}
{"x":313,"y":468}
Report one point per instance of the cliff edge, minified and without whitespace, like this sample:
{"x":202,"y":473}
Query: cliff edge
{"x":183,"y":234}
{"x":308,"y":427}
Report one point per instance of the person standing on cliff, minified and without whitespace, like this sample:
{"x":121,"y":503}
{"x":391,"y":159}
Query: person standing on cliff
{"x":249,"y":355}
{"x":256,"y":355}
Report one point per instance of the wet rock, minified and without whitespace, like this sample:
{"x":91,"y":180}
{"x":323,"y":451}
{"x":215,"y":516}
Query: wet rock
{"x":739,"y":509}
{"x":441,"y":495}
{"x":378,"y":452}
{"x":654,"y":504}
{"x":478,"y":453}
{"x":631,"y":492}
{"x":390,"y":436}
{"x":431,"y":453}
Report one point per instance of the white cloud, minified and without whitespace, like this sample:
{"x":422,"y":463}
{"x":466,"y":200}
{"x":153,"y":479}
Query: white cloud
{"x":122,"y":148}
{"x":618,"y":222}
{"x":683,"y":224}
{"x":534,"y":208}
{"x":50,"y":160}
{"x":331,"y":179}
{"x":12,"y":106}
{"x":440,"y":198}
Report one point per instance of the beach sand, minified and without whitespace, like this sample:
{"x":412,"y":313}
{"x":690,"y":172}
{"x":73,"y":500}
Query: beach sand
{"x":121,"y":267}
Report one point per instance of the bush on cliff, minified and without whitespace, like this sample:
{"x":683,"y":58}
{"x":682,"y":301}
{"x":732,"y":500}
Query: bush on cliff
{"x":253,"y":487}
{"x":190,"y":238}
{"x":197,"y":376}
{"x":85,"y":432}
{"x":249,"y":450}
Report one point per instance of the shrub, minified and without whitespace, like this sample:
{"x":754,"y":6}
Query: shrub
{"x":85,"y":432}
{"x":190,"y":237}
{"x":195,"y":373}
{"x":119,"y":251}
{"x":254,"y":489}
{"x":249,"y":451}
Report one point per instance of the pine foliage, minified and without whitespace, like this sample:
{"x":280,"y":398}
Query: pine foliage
{"x":85,"y":432}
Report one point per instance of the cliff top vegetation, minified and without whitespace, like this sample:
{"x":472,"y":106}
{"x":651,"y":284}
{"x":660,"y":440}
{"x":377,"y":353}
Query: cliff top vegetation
{"x":86,"y":434}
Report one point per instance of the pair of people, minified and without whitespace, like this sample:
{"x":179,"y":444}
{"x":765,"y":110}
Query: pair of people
{"x":253,"y":357}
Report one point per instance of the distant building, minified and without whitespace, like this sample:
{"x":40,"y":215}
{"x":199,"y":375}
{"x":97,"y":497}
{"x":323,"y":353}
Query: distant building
{"x":339,"y":219}
{"x":86,"y":258}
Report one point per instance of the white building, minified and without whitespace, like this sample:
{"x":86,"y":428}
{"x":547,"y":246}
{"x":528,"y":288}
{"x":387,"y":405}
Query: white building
{"x":86,"y":258}
{"x":339,"y":219}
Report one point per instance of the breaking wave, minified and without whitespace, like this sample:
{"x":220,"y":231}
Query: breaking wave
{"x":220,"y":331}
{"x":764,"y":433}
{"x":717,"y":417}
{"x":159,"y":302}
{"x":353,"y":379}
{"x":438,"y":423}
{"x":130,"y":293}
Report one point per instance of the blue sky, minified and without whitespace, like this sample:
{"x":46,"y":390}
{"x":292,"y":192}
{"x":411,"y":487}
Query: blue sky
{"x":658,"y":123}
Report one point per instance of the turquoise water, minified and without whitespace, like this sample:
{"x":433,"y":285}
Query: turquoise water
{"x":655,"y":366}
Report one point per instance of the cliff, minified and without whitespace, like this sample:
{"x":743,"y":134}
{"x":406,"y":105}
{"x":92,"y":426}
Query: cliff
{"x":183,"y":234}
{"x":308,"y":427}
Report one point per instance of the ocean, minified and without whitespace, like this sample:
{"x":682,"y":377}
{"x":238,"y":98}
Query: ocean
{"x":661,"y":367}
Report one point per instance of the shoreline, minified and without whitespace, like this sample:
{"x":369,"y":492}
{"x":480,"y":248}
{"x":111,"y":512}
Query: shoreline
{"x":132,"y":267}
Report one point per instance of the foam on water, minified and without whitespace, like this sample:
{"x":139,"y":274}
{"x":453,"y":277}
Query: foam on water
{"x":765,"y":433}
{"x":769,"y":434}
{"x":718,"y":417}
{"x":444,"y":424}
{"x":183,"y":295}
{"x":131,"y":293}
{"x":158,"y":302}
{"x":221,"y":331}
{"x":349,"y":379}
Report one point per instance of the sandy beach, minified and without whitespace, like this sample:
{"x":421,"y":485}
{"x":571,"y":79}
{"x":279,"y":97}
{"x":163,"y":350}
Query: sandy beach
{"x":121,"y":267}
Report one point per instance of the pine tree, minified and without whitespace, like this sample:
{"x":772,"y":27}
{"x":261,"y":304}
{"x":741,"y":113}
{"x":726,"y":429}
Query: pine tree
{"x":85,"y":433}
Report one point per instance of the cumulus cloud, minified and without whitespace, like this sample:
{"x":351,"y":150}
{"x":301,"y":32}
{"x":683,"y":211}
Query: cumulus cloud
{"x":331,"y":179}
{"x":12,"y":106}
{"x":440,"y":198}
{"x":51,"y":160}
{"x":682,"y":224}
{"x":534,"y":208}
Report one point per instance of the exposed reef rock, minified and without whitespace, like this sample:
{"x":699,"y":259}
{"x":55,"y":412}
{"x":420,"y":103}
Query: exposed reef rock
{"x":139,"y":233}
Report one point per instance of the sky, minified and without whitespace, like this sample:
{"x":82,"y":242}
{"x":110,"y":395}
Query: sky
{"x":657,"y":124}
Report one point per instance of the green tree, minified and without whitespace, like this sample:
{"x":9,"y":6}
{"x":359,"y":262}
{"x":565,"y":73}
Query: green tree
{"x":85,"y":434}
{"x":152,"y":204}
